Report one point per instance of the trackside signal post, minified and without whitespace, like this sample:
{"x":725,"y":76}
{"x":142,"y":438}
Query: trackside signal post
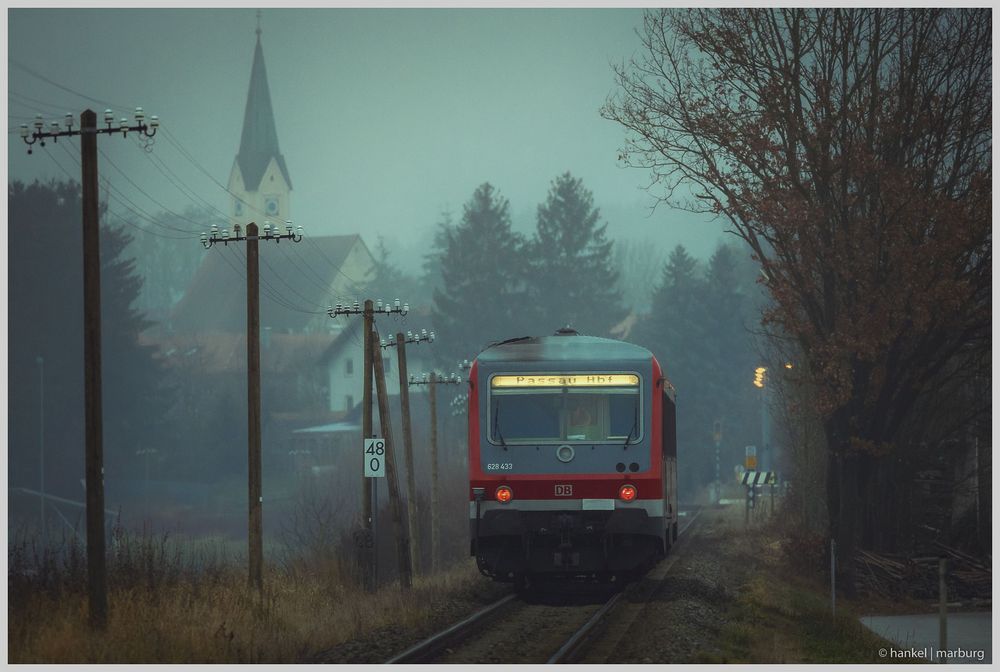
{"x":93,"y":408}
{"x":374,"y":467}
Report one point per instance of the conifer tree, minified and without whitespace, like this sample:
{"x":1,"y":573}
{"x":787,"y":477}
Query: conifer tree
{"x":480,"y":298}
{"x":571,"y":275}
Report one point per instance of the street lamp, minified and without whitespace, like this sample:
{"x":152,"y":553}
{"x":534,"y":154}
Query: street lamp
{"x":760,"y":380}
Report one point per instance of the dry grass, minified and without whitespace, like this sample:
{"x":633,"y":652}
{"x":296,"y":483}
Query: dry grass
{"x":174,"y":604}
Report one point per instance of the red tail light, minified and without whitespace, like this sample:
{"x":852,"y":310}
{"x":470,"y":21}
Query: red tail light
{"x":627,"y":493}
{"x":504,"y":494}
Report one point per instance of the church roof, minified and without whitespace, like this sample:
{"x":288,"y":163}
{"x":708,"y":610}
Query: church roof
{"x":259,"y":142}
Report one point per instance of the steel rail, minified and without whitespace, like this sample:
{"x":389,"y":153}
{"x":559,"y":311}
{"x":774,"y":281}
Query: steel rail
{"x":435,"y":643}
{"x":576,"y":641}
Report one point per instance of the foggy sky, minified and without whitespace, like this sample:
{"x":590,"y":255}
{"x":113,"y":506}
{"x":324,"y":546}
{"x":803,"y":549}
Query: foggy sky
{"x":385,"y":117}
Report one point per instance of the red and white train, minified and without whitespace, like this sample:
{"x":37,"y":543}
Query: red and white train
{"x":572,"y":458}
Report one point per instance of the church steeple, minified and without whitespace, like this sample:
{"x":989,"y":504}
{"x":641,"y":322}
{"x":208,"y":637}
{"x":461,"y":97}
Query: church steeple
{"x":260,"y":177}
{"x":259,"y":142}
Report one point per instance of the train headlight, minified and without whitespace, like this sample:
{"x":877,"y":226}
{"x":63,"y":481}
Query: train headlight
{"x":565,"y":453}
{"x":627,"y":493}
{"x":504,"y":494}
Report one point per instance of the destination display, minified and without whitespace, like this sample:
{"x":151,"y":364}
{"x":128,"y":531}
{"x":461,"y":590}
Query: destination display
{"x":567,"y":380}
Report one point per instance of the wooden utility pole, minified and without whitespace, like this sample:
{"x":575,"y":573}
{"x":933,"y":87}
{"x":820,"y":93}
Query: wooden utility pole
{"x":93,"y":411}
{"x":411,"y":485}
{"x":435,"y":528}
{"x":432,"y":380}
{"x":370,"y":558}
{"x":256,"y":550}
{"x":255,"y":500}
{"x":96,"y":570}
{"x":385,"y":423}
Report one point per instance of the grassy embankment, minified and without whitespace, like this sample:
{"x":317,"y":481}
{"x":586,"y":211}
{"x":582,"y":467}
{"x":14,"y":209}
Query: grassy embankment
{"x":172,"y":603}
{"x":781,"y":613}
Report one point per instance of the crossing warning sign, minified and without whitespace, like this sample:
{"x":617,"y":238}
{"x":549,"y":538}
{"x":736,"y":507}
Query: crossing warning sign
{"x":759,"y":478}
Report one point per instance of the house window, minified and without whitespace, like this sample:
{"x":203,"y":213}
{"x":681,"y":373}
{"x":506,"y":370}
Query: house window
{"x":349,"y":367}
{"x":349,"y":401}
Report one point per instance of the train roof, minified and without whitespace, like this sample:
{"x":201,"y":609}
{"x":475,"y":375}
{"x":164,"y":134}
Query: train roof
{"x":564,"y":345}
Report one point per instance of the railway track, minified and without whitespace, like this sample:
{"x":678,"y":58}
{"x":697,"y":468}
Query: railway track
{"x":529,"y":628}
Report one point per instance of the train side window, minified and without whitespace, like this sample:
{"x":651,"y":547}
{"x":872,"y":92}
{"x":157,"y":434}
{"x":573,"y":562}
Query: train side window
{"x":669,"y":427}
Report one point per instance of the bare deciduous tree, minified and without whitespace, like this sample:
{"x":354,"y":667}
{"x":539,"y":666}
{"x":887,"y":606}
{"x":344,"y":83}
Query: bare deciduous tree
{"x":851,"y":150}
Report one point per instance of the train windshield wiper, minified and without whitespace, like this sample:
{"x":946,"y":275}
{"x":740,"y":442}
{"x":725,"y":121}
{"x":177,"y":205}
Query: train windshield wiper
{"x":635,"y":425}
{"x":496,"y":424}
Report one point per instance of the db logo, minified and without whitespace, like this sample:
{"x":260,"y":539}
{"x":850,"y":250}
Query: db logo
{"x":564,"y":491}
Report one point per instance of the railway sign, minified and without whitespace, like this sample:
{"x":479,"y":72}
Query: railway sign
{"x":374,"y":458}
{"x":759,"y":478}
{"x":751,"y":458}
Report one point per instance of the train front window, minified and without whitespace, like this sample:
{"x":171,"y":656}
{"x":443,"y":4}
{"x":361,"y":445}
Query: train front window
{"x":597,"y":415}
